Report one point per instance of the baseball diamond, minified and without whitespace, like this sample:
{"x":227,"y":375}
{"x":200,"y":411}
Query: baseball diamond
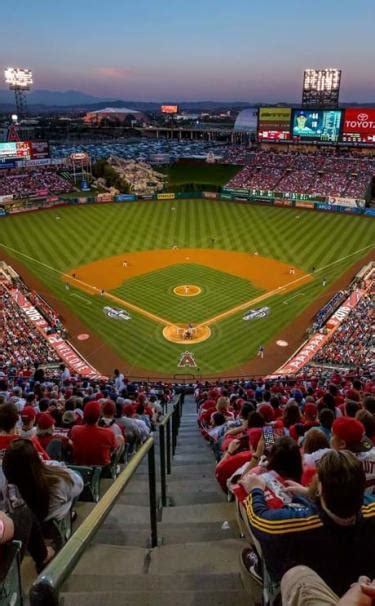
{"x":236,"y":256}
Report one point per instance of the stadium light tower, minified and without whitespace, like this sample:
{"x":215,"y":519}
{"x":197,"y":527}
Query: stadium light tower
{"x":19,"y":80}
{"x":321,"y":88}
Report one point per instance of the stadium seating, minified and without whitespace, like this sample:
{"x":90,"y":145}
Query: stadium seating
{"x":323,"y":174}
{"x":31,"y":182}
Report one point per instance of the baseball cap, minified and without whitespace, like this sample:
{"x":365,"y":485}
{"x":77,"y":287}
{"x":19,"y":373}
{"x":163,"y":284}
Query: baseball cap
{"x":108,"y":408}
{"x":352,"y":432}
{"x":45,"y":421}
{"x":128,"y":410}
{"x":267,"y":412}
{"x":91,"y":412}
{"x":28,"y":414}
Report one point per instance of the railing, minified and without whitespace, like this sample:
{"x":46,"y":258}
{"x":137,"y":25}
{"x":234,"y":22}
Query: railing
{"x":45,"y":589}
{"x":167,"y":450}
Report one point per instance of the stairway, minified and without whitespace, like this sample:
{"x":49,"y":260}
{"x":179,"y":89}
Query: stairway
{"x":197,"y":560}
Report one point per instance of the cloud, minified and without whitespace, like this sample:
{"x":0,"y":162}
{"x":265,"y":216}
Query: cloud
{"x":118,"y":73}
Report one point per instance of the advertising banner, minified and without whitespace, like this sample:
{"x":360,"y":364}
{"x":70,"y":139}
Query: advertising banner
{"x":359,"y":125}
{"x":125,"y":197}
{"x":105,"y":197}
{"x":166,"y":196}
{"x":304,"y":204}
{"x":283,"y":203}
{"x":169,"y":109}
{"x":210,"y":195}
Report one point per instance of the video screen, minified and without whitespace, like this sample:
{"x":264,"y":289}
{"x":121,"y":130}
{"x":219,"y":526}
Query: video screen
{"x":15,"y":150}
{"x":359,"y":125}
{"x":316,"y":125}
{"x":274,"y":123}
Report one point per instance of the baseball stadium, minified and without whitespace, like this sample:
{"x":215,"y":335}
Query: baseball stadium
{"x":187,"y":355}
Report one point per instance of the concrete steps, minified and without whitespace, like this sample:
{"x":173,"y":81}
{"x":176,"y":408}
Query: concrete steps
{"x":196,"y":562}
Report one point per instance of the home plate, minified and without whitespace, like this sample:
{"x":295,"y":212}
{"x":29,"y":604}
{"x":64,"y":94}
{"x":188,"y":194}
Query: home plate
{"x":281,"y":343}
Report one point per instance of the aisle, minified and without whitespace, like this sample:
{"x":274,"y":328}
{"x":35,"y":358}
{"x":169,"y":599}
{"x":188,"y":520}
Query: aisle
{"x":197,"y":561}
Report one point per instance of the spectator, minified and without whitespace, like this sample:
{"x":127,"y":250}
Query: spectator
{"x":48,"y":489}
{"x":329,"y":524}
{"x":92,"y":445}
{"x":28,"y":416}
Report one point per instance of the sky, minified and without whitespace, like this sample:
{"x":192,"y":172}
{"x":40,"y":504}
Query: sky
{"x":180,"y":50}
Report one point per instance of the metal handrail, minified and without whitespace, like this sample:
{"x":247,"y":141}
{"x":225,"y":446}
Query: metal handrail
{"x":173,"y":417}
{"x":44,"y":591}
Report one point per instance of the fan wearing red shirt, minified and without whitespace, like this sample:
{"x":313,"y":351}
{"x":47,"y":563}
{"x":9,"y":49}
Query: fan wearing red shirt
{"x":8,"y":421}
{"x":92,"y":445}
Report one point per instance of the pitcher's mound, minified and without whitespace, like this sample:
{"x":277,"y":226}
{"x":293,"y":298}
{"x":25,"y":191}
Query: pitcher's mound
{"x":187,"y":290}
{"x":181,"y":333}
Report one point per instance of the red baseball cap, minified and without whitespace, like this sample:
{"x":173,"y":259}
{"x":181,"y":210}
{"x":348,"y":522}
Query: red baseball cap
{"x":128,"y":410}
{"x":267,"y":412}
{"x":108,"y":407}
{"x":352,"y":432}
{"x":91,"y":412}
{"x":28,"y":414}
{"x":45,"y":421}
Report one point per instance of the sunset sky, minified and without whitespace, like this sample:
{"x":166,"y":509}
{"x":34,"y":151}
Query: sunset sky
{"x":250,"y":50}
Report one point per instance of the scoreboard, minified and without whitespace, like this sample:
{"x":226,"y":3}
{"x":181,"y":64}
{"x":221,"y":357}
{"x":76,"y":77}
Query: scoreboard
{"x":274,"y":123}
{"x":23,"y":150}
{"x":15,"y":150}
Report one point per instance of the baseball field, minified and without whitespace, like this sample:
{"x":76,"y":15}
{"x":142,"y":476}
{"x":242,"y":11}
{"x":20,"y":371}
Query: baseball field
{"x":186,"y":271}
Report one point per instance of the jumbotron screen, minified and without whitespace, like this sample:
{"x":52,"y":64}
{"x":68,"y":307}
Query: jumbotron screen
{"x":24,"y":150}
{"x":274,"y":123}
{"x":169,"y":109}
{"x":359,"y":125}
{"x":15,"y":150}
{"x":316,"y":125}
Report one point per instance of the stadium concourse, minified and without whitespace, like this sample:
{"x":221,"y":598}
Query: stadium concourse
{"x":272,"y":439}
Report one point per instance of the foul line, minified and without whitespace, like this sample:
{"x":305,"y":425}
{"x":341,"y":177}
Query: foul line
{"x":163,"y":321}
{"x":94,"y":288}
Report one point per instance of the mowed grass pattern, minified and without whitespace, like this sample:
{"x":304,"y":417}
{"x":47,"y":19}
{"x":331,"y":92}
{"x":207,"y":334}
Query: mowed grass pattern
{"x":55,"y":241}
{"x":154,"y":292}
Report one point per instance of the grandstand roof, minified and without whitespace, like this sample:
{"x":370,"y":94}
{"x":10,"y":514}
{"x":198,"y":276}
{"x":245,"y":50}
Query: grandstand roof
{"x":247,"y":120}
{"x":116,"y":110}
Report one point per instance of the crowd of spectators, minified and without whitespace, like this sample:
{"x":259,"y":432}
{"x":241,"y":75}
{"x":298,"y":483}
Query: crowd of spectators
{"x":352,"y":344}
{"x":322,"y":174}
{"x":21,"y":343}
{"x":297,"y":456}
{"x":52,"y":421}
{"x":31,"y":182}
{"x":329,"y":308}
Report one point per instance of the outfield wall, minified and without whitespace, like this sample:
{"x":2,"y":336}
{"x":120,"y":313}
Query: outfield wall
{"x":9,"y":206}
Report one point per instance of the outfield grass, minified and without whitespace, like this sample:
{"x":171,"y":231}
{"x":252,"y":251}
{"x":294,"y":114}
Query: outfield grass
{"x":182,"y":173}
{"x":58,"y":240}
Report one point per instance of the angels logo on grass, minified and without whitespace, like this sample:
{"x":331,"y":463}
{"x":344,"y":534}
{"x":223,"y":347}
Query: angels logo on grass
{"x":116,"y":314}
{"x":256,"y":314}
{"x":187,"y":360}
